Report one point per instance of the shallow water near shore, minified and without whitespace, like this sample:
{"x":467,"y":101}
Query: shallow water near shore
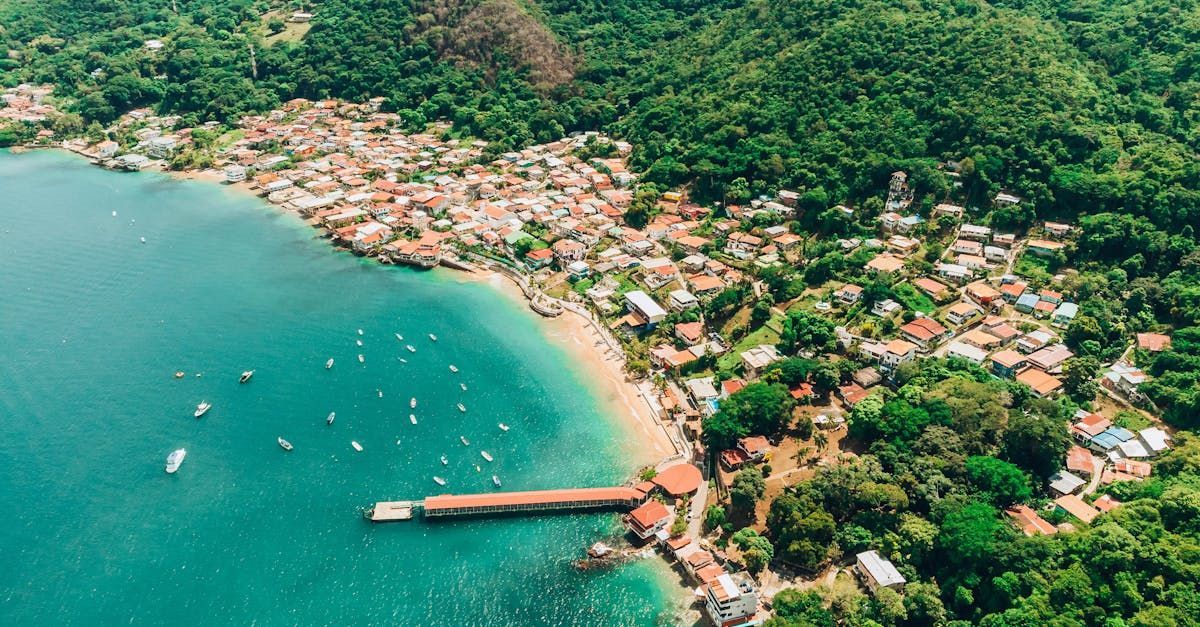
{"x":93,"y":324}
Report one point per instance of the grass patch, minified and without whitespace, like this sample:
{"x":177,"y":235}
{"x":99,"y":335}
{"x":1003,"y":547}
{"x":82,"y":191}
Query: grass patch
{"x":908,"y":296}
{"x":765,"y":334}
{"x":1033,"y":268}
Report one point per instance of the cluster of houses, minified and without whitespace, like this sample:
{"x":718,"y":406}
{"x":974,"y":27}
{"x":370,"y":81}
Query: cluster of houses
{"x":1103,"y":453}
{"x":27,"y":104}
{"x":730,"y":596}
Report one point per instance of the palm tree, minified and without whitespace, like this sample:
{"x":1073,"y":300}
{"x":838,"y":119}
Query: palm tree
{"x":821,"y":440}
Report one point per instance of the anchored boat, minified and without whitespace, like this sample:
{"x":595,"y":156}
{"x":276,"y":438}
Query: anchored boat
{"x":175,"y":460}
{"x":203,"y":408}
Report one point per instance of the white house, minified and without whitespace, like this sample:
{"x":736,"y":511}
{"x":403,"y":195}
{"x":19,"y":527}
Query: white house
{"x":731,"y":599}
{"x":878,"y":572}
{"x":642,"y":306}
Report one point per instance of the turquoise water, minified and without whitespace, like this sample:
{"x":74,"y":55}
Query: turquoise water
{"x":92,"y":325}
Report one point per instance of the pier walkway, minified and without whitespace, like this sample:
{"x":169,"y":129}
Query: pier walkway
{"x":449,"y":505}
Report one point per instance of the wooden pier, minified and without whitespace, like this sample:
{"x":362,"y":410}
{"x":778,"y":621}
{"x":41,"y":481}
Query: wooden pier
{"x":496,"y":503}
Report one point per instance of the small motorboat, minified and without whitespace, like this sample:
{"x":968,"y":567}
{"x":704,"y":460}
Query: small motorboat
{"x":432,"y":337}
{"x":399,"y":337}
{"x":329,"y":364}
{"x":245,"y":376}
{"x":179,"y":374}
{"x":412,"y":402}
{"x":175,"y":460}
{"x":402,"y":360}
{"x":360,"y":331}
{"x":477,"y":468}
{"x":486,"y":455}
{"x":412,"y":418}
{"x":379,"y":392}
{"x":503,"y":427}
{"x":464,"y":440}
{"x":410,"y":348}
{"x":356,"y":445}
{"x":359,"y":342}
{"x":463,"y":386}
{"x":462,"y":408}
{"x":143,"y":240}
{"x":445,"y":462}
{"x":453,"y":368}
{"x":360,"y":358}
{"x":114,"y":214}
{"x":330,"y":417}
{"x":496,"y":480}
{"x":438,"y":480}
{"x":203,"y":408}
{"x":284,"y":444}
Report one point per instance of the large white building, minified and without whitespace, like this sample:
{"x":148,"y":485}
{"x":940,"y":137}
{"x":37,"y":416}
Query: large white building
{"x":644,"y":307}
{"x":731,"y":600}
{"x":878,"y":572}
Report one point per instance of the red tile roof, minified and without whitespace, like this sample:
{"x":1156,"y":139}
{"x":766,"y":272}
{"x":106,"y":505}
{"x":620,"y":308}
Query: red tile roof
{"x":679,"y":479}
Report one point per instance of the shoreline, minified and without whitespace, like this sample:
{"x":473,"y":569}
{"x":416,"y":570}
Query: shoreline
{"x":646,"y":443}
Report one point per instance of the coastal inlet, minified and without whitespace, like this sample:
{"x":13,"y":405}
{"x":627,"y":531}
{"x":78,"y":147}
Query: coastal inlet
{"x":245,"y":531}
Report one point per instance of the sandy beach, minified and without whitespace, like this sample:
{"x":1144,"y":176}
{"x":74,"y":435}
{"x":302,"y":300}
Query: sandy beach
{"x":647,"y":442}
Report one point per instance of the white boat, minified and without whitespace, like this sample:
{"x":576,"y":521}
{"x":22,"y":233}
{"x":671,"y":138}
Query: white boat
{"x":175,"y":459}
{"x":379,"y":392}
{"x":433,"y":337}
{"x":402,"y":360}
{"x":246,"y":376}
{"x":284,"y":444}
{"x":438,"y":480}
{"x":360,"y":358}
{"x":114,"y":214}
{"x":143,"y":240}
{"x":356,"y":445}
{"x":329,"y":364}
{"x":412,"y":402}
{"x":360,"y":331}
{"x":359,"y":342}
{"x":496,"y":480}
{"x":330,"y":417}
{"x":410,"y":348}
{"x":203,"y":408}
{"x":412,"y":418}
{"x":464,"y":440}
{"x":462,"y":408}
{"x":486,"y":455}
{"x":453,"y":368}
{"x":399,"y":337}
{"x":463,"y":386}
{"x":477,"y":468}
{"x":503,"y":427}
{"x":445,"y":462}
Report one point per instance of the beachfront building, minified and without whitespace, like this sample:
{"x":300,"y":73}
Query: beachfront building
{"x":731,"y":600}
{"x":648,"y":519}
{"x":235,"y":173}
{"x":643,"y":311}
{"x":878,"y":572}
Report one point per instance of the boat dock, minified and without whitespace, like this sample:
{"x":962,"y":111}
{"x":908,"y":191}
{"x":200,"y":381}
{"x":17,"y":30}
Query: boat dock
{"x":389,"y":511}
{"x":496,"y":503}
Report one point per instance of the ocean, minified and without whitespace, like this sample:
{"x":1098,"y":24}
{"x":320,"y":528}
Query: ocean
{"x":93,"y":325}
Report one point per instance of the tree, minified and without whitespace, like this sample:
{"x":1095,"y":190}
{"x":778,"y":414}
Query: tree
{"x":1035,"y":442}
{"x":968,"y":535}
{"x":802,"y":608}
{"x":1079,"y":378}
{"x":714,"y":517}
{"x":756,"y":550}
{"x":1001,"y":482}
{"x":748,"y":487}
{"x":758,"y":408}
{"x":276,"y":25}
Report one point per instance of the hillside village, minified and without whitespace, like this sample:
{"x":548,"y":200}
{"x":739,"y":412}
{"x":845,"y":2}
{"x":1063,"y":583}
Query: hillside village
{"x":713,"y":306}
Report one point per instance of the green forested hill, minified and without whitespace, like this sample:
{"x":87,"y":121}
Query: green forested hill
{"x":1083,"y":105}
